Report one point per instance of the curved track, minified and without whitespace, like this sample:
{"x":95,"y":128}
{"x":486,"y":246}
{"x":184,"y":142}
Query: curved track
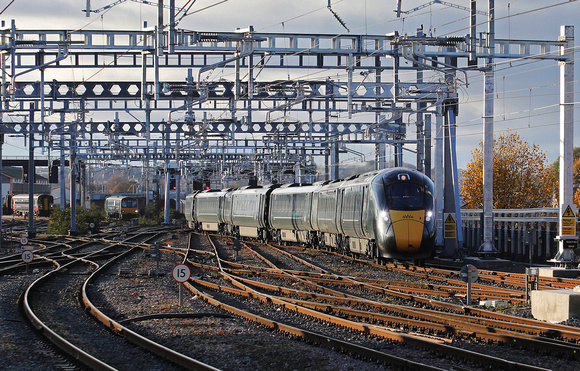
{"x":51,"y":303}
{"x":399,"y":311}
{"x":357,"y":314}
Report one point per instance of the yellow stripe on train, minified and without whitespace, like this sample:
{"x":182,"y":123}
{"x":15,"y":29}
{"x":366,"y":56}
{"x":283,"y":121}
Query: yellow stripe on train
{"x":408,"y":227}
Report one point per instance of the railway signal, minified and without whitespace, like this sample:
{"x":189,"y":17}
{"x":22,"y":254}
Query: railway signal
{"x":469,"y":274}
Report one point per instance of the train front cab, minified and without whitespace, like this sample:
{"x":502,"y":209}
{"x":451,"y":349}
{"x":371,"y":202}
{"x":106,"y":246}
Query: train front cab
{"x":129,"y":207}
{"x":406,"y":222}
{"x":44,"y":205}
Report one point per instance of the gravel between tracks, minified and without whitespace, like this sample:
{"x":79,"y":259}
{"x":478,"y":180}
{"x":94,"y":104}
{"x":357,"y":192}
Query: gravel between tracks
{"x":226,"y":343}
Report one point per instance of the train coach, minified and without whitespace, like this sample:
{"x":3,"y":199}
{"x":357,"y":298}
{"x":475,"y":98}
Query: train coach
{"x":124,"y":206}
{"x":387,"y":214}
{"x":43,"y":204}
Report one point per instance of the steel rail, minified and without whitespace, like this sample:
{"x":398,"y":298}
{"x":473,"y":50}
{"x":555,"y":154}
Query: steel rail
{"x":453,"y":326}
{"x":533,"y":327}
{"x":408,"y":288}
{"x":323,"y":341}
{"x":514,"y":279}
{"x":452,"y":276}
{"x":415,"y":341}
{"x":515,"y":323}
{"x":513,"y":334}
{"x":246,"y":290}
{"x":130,"y":335}
{"x":51,"y":335}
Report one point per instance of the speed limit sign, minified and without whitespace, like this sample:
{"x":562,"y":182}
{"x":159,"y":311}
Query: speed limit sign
{"x":181,"y":273}
{"x":27,"y":256}
{"x":24,"y":240}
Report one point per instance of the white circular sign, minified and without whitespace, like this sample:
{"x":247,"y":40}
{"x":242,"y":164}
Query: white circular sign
{"x":27,"y":256}
{"x":181,"y":273}
{"x":24,"y":240}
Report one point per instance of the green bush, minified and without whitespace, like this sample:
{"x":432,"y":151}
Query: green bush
{"x":60,"y":220}
{"x":152,"y":215}
{"x":85,"y":217}
{"x":155,"y":215}
{"x":174,"y":214}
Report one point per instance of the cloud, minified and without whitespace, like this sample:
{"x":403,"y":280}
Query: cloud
{"x":516,"y":106}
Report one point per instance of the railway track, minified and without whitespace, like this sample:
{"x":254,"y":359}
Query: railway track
{"x":278,"y":307}
{"x":52,"y":305}
{"x":276,"y":276}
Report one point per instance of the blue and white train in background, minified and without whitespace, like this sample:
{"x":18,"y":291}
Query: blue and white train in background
{"x":384,"y":215}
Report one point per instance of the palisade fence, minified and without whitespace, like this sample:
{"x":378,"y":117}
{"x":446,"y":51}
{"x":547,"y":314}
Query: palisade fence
{"x":517,"y":232}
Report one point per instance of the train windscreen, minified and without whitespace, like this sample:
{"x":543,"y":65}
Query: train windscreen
{"x":405,"y":196}
{"x":129,"y":202}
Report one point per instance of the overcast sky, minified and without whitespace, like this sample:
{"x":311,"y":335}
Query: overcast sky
{"x":527,"y":96}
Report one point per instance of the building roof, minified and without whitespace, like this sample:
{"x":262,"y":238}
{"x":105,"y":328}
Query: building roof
{"x":16,"y":173}
{"x":9,"y":172}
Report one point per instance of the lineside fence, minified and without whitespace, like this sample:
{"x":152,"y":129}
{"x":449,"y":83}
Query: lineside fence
{"x":516,"y":232}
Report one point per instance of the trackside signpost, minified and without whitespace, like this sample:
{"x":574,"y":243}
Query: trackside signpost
{"x":181,"y":274}
{"x":27,"y":257}
{"x":469,"y":274}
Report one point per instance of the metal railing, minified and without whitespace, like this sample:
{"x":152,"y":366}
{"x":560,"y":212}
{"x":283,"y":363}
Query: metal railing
{"x":519,"y":234}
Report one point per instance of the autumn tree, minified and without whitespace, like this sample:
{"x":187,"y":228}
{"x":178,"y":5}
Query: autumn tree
{"x":575,"y":176}
{"x":128,"y":186}
{"x":112,"y":182}
{"x":521,"y":176}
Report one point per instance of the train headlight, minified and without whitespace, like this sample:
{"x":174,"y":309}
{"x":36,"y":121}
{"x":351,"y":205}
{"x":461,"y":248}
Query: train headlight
{"x":428,"y":216}
{"x":385,"y":216}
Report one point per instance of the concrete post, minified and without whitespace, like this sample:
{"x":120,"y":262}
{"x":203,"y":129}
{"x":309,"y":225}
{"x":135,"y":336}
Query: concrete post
{"x":567,"y":239}
{"x":487,"y":247}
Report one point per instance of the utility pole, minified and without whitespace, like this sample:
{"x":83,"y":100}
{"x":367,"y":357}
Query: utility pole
{"x":567,"y":239}
{"x":1,"y":175}
{"x":488,"y":248}
{"x":31,"y":229}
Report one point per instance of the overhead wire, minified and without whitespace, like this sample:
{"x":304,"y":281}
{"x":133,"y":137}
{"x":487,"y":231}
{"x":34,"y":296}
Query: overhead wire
{"x":309,"y":74}
{"x":524,"y":61}
{"x":339,"y":34}
{"x":186,"y":14}
{"x":7,"y":6}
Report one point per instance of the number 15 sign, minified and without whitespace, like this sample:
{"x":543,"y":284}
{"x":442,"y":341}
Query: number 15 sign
{"x":181,"y":273}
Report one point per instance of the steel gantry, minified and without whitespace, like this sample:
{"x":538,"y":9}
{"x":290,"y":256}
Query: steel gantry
{"x":245,"y":104}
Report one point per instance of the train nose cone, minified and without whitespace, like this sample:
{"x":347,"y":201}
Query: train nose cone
{"x":408,"y":229}
{"x":408,"y":235}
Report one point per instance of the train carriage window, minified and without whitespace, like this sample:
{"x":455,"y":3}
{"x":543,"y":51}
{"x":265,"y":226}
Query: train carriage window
{"x":405,"y":196}
{"x":129,"y":202}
